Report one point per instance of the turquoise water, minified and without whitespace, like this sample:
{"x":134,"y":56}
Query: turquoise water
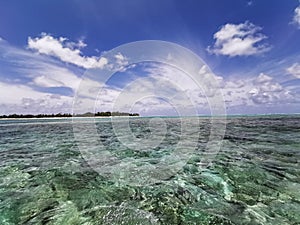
{"x":254,"y":178}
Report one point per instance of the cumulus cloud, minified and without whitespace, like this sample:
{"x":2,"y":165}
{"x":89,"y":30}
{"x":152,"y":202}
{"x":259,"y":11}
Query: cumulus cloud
{"x":29,"y":79}
{"x":267,"y":91}
{"x":118,"y":62}
{"x":242,"y":39}
{"x":294,"y":70}
{"x":23,"y":99}
{"x":296,"y":18}
{"x":36,"y":70}
{"x":38,"y":74}
{"x":179,"y":90}
{"x":258,"y":91}
{"x":66,"y":51}
{"x":26,"y":80}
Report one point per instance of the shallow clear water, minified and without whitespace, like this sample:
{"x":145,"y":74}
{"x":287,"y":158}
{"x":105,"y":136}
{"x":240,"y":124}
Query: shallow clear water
{"x":254,"y":178}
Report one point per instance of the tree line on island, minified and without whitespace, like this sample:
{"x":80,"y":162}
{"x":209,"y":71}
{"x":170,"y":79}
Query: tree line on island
{"x":88,"y":114}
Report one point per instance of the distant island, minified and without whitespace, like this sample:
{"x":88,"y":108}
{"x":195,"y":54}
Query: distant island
{"x":88,"y":114}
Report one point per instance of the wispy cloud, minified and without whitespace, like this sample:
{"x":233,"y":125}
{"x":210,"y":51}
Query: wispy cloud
{"x":294,"y":70}
{"x":242,"y":39}
{"x":35,"y":83}
{"x":27,"y":79}
{"x":249,"y":3}
{"x":24,"y":99}
{"x":35,"y":70}
{"x":27,"y":86}
{"x":259,"y":90}
{"x":296,"y":18}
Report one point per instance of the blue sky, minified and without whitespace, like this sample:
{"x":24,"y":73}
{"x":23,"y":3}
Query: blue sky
{"x":251,"y":47}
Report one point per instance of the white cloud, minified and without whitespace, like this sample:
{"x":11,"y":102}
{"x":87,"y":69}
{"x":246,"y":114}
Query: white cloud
{"x":267,"y":91}
{"x":39,"y":72}
{"x":56,"y":80}
{"x":24,"y":76}
{"x":249,"y":3}
{"x":43,"y":71}
{"x":263,"y":78}
{"x":11,"y":93}
{"x":118,"y":63}
{"x":260,"y":91}
{"x":165,"y":81}
{"x":53,"y":76}
{"x":296,"y":18}
{"x":239,"y":40}
{"x":180,"y":90}
{"x":23,"y":99}
{"x":68,"y":52}
{"x":294,"y":70}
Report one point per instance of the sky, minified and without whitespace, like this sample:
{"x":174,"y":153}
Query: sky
{"x":250,"y":48}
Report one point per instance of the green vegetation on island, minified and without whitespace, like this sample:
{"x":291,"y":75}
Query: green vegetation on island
{"x":88,"y":114}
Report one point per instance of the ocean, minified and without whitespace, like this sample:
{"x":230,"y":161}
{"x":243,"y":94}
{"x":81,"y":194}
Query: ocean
{"x":96,"y":171}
